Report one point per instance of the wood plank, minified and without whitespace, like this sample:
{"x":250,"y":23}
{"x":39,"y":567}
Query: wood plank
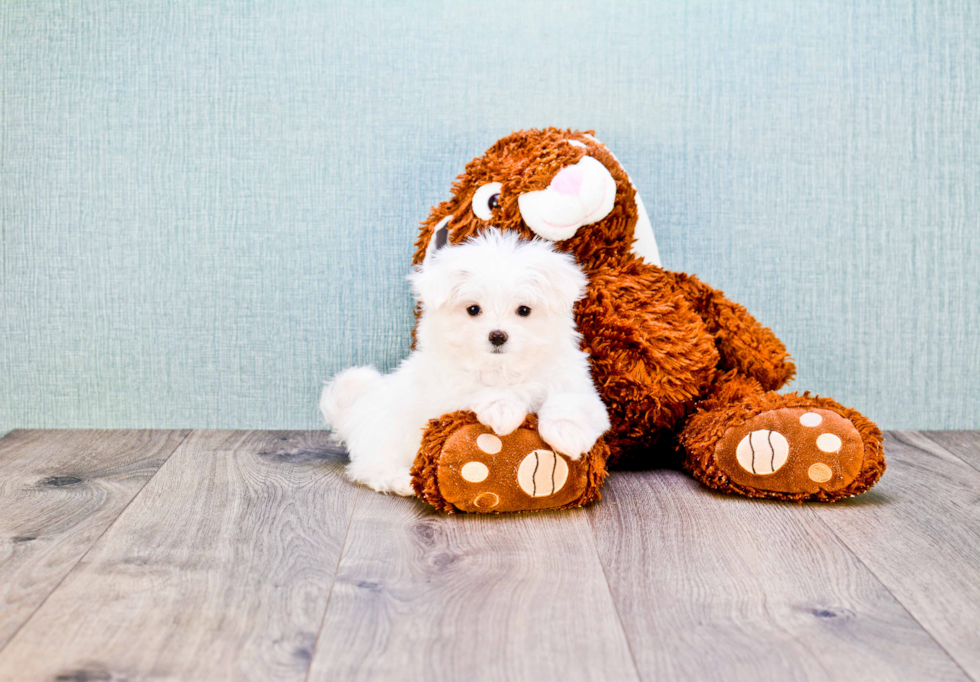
{"x":963,"y":444}
{"x":716,"y":587}
{"x":420,"y":595}
{"x":918,"y":530}
{"x":59,"y":491}
{"x":219,"y":569}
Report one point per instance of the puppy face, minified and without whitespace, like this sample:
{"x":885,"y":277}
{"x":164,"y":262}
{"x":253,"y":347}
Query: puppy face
{"x":497,"y":301}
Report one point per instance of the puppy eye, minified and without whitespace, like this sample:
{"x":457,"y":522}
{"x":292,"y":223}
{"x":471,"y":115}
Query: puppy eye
{"x":523,"y":311}
{"x":474,"y":310}
{"x":485,"y":199}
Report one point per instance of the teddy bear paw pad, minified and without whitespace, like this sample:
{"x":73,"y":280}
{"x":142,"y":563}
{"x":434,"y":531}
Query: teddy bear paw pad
{"x":479,"y":471}
{"x":792,"y":450}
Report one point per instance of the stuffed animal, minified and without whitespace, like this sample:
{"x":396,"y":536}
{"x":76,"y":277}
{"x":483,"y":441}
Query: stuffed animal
{"x":685,"y":373}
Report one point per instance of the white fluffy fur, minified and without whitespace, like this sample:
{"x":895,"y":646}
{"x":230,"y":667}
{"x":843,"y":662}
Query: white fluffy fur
{"x":539,"y":369}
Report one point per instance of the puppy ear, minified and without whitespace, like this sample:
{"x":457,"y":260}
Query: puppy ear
{"x":563,"y":282}
{"x":435,"y":284}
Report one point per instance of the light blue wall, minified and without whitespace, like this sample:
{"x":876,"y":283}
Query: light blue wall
{"x":207,"y":208}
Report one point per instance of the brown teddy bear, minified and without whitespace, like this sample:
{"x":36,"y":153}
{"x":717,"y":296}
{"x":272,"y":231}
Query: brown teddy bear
{"x":684,"y":371}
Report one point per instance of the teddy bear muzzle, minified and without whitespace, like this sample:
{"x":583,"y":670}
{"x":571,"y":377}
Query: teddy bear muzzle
{"x":578,"y":195}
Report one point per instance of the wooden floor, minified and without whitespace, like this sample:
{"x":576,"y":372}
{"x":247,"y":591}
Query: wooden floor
{"x":132,"y":555}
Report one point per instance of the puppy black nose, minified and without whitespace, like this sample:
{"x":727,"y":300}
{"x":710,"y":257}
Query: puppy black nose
{"x":498,"y":338}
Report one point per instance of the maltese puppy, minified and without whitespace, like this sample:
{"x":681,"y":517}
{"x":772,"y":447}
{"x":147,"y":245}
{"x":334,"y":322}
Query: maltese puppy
{"x":496,"y":335}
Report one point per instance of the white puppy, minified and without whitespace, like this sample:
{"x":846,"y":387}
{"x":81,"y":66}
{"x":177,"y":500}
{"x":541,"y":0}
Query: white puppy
{"x":496,"y":336}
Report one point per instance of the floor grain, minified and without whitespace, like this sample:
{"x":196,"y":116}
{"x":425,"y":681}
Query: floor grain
{"x":918,"y":531}
{"x":220,"y":569}
{"x":423,"y":596}
{"x":248,"y":555}
{"x":712,"y":587}
{"x":963,"y":444}
{"x":59,"y":491}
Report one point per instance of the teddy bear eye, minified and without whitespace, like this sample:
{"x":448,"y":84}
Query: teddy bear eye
{"x":523,"y":311}
{"x":473,"y":310}
{"x":485,"y":199}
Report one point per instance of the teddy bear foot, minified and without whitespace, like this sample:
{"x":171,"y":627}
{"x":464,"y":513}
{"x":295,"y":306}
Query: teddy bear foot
{"x":802,"y":452}
{"x":475,"y":470}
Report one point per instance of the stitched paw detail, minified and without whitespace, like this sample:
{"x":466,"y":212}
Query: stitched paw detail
{"x":792,"y":450}
{"x":479,"y":471}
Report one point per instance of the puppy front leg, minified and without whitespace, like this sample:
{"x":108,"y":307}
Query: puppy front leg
{"x":500,"y":410}
{"x":382,"y":447}
{"x":572,"y":422}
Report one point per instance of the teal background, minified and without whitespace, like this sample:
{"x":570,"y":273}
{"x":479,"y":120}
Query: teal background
{"x":208,"y":208}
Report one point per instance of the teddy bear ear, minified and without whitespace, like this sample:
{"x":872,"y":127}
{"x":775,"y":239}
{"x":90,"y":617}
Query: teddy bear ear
{"x":440,"y":237}
{"x":644,"y":244}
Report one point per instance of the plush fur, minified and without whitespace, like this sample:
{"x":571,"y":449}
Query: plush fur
{"x":677,"y":364}
{"x":496,"y":336}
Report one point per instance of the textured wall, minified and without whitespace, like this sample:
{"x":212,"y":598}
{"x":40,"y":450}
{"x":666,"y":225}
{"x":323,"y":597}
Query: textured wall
{"x":207,"y":208}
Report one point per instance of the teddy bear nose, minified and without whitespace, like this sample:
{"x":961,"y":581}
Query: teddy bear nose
{"x":568,"y":181}
{"x":498,"y":338}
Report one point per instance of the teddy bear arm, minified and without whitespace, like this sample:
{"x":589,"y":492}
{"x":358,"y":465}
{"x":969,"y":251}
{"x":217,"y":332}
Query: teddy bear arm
{"x":743,"y":343}
{"x":647,"y":346}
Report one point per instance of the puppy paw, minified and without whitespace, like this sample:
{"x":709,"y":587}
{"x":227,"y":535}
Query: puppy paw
{"x":567,"y":437}
{"x":382,"y":479}
{"x":503,"y":416}
{"x":403,"y":485}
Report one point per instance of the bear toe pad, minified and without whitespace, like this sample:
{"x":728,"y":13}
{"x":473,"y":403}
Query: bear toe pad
{"x":792,"y":450}
{"x":479,"y":471}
